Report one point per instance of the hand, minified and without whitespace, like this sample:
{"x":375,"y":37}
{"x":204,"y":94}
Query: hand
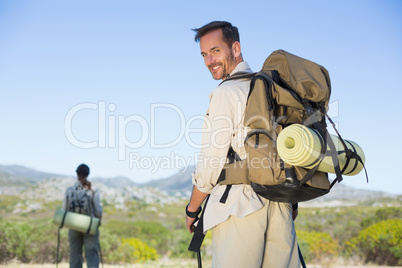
{"x":197,"y":197}
{"x":190,"y":224}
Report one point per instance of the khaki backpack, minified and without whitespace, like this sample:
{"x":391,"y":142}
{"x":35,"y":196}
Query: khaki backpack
{"x":288,"y":90}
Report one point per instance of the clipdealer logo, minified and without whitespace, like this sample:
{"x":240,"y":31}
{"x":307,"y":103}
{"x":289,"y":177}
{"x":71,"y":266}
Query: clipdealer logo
{"x":112,"y":132}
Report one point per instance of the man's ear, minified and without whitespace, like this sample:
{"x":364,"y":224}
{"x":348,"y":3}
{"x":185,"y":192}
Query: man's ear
{"x":236,"y":49}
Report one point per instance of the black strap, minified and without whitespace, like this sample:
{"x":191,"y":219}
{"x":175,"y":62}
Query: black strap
{"x":332,"y":152}
{"x":225,"y":194}
{"x":349,"y":155}
{"x":257,"y":132}
{"x":364,"y":167}
{"x":199,"y":259}
{"x":238,"y":75}
{"x":354,"y":155}
{"x":336,"y":130}
{"x":301,"y":257}
{"x":100,"y":252}
{"x":268,"y":86}
{"x":232,"y":157}
{"x":222,"y":176}
{"x":58,"y":247}
{"x":282,"y":83}
{"x":333,"y":149}
{"x":308,"y":176}
{"x":89,"y":227}
{"x":254,"y":76}
{"x":317,"y":162}
{"x":72,"y":205}
{"x":332,"y":184}
{"x":313,"y":120}
{"x":63,"y":219}
{"x":58,"y":238}
{"x":198,"y":236}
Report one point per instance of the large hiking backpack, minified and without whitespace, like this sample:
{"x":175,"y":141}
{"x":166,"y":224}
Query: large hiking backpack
{"x":288,"y":90}
{"x":79,"y":201}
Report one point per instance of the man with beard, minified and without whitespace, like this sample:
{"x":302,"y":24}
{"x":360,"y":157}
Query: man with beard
{"x":247,"y":230}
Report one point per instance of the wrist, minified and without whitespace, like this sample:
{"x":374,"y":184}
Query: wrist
{"x":192,"y":214}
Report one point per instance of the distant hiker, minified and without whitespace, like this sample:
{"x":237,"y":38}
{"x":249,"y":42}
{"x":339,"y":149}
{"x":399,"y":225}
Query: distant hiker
{"x":81,"y":198}
{"x":247,"y":230}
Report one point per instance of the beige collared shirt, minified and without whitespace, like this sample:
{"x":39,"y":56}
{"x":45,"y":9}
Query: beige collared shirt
{"x":223,"y":127}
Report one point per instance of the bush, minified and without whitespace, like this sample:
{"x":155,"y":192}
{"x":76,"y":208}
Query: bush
{"x":134,"y":250}
{"x":34,"y":242}
{"x":153,"y":233}
{"x":382,"y":214}
{"x":109,"y":244}
{"x":316,"y":246}
{"x":179,"y":244}
{"x":380,"y":243}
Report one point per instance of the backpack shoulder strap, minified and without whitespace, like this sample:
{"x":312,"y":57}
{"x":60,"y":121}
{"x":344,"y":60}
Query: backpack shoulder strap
{"x":239,"y":75}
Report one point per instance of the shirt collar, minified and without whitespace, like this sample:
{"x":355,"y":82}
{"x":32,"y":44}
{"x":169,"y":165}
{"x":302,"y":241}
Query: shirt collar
{"x":242,"y":67}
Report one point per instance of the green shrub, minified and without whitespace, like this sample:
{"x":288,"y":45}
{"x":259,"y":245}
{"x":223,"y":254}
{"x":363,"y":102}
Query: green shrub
{"x":380,"y":243}
{"x":179,"y":243}
{"x":33,"y":241}
{"x":382,"y":214}
{"x":316,"y":246}
{"x":109,"y":245}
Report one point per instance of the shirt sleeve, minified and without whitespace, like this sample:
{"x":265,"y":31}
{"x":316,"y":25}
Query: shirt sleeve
{"x":64,"y":204}
{"x":97,"y":205}
{"x":218,"y":128}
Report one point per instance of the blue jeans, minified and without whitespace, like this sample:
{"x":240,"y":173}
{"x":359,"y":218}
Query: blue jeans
{"x":90,"y":242}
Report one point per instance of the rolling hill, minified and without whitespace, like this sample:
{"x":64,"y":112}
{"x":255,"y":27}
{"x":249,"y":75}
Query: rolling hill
{"x":35,"y":184}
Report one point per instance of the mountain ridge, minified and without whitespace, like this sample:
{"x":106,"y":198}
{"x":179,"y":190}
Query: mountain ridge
{"x":15,"y":179}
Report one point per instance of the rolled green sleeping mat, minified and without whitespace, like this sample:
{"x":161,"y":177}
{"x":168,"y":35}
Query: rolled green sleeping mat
{"x":300,"y":146}
{"x":75,"y":221}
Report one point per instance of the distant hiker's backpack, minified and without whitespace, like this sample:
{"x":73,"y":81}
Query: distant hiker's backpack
{"x":79,"y":201}
{"x":288,"y":90}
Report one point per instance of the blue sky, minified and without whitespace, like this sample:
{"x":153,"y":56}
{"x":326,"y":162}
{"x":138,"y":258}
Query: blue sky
{"x":121,"y":86}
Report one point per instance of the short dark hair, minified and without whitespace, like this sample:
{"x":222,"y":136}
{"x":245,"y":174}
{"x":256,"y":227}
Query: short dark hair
{"x":230,"y":33}
{"x":83,"y":170}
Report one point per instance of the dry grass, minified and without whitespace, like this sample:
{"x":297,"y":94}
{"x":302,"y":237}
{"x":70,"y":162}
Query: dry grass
{"x":192,"y":263}
{"x":164,"y":264}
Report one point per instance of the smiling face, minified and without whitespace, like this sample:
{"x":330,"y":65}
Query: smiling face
{"x":219,"y":58}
